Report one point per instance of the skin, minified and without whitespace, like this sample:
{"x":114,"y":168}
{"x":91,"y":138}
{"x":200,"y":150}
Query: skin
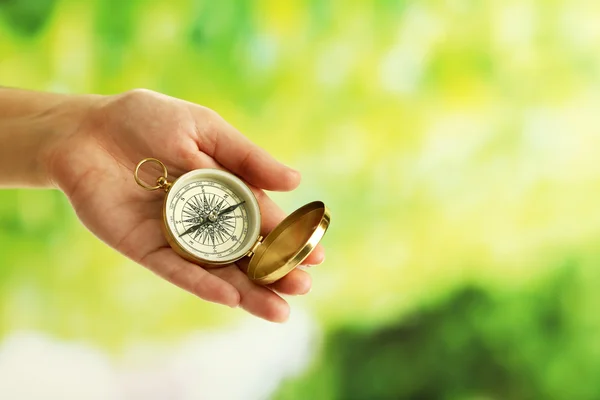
{"x":88,"y":146}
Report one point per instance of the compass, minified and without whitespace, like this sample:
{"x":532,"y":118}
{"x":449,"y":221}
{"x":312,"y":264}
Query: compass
{"x":212,"y":218}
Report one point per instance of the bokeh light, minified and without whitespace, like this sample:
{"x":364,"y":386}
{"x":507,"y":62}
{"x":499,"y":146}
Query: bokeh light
{"x":456,"y":143}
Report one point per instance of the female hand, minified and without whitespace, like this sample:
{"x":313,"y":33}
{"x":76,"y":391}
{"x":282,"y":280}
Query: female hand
{"x":92,"y":160}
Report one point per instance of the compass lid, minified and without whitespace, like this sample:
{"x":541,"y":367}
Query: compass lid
{"x":289,"y":243}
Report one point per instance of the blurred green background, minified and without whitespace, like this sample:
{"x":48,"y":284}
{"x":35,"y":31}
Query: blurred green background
{"x":456,"y":143}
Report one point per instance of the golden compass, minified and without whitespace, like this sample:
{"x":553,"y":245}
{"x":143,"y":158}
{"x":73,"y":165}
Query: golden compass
{"x":212,"y":218}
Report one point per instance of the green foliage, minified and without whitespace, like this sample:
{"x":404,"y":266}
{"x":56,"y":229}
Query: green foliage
{"x":518,"y":344}
{"x":27,"y":17}
{"x":115,"y":22}
{"x":454,"y":141}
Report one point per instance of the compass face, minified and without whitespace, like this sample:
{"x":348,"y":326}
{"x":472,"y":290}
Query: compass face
{"x":213,"y":216}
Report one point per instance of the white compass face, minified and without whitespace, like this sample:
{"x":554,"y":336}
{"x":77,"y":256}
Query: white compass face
{"x":213,"y":215}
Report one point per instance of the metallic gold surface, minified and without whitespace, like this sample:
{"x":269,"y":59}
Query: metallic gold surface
{"x":182,"y":251}
{"x":289,"y":243}
{"x":161,"y":181}
{"x":270,"y":259}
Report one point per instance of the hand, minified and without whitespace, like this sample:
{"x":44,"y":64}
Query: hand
{"x":93,"y":163}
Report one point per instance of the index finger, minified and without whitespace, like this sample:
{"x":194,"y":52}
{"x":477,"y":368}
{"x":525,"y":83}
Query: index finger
{"x":234,"y":151}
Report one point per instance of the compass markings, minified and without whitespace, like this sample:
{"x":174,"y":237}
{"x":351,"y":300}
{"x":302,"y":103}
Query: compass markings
{"x":195,"y":204}
{"x":190,"y":204}
{"x":222,"y":236}
{"x":198,"y":232}
{"x":228,"y":223}
{"x":222,"y":230}
{"x":219,"y":234}
{"x":218,"y":207}
{"x":190,"y":214}
{"x":205,"y":199}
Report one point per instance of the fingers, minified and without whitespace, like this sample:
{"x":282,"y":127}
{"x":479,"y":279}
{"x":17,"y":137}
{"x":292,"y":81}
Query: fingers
{"x":257,"y":300}
{"x":238,"y":154}
{"x":192,"y":278}
{"x":316,"y":257}
{"x":297,"y":282}
{"x":272,"y":215}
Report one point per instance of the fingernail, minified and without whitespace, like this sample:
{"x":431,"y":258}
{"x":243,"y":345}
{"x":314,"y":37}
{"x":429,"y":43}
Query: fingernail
{"x":235,"y":303}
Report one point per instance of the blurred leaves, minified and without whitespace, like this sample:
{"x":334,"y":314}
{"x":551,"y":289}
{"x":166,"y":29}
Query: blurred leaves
{"x":28,"y":17}
{"x":456,"y":143}
{"x":473,"y":344}
{"x":115,"y":26}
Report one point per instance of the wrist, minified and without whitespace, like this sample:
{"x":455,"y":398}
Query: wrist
{"x":32,"y":126}
{"x":59,"y":125}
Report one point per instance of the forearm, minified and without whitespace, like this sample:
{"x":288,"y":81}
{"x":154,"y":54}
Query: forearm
{"x":29,"y":124}
{"x":15,"y":103}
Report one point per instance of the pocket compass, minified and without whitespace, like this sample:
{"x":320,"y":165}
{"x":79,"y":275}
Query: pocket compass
{"x":212,"y":218}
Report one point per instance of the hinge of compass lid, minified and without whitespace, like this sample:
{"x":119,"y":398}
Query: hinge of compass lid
{"x":253,"y":249}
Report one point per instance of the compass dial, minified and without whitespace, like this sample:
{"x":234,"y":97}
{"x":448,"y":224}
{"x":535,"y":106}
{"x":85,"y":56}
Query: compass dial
{"x":212,"y":218}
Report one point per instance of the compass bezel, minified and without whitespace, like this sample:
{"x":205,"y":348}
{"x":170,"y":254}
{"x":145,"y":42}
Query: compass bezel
{"x":234,"y":184}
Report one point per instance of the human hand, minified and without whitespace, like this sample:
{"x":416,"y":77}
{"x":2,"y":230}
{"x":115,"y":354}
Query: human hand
{"x":92,"y":161}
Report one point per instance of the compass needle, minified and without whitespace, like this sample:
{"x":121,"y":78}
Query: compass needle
{"x":212,"y":218}
{"x":231,"y":208}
